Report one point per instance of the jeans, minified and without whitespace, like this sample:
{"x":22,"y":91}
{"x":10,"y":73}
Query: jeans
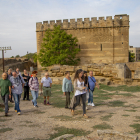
{"x":35,"y":96}
{"x":5,"y":101}
{"x":26,"y":92}
{"x":83,"y":96}
{"x":67,"y":99}
{"x":17,"y":101}
{"x":90,"y":99}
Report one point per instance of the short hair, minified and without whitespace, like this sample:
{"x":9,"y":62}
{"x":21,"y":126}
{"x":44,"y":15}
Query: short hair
{"x":4,"y":73}
{"x":85,"y":72}
{"x":34,"y":72}
{"x":66,"y":72}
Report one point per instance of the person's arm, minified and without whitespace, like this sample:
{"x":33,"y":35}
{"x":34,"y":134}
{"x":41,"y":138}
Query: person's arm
{"x":10,"y":90}
{"x":97,"y":85}
{"x":64,"y":86}
{"x":41,"y":86}
{"x":22,"y":81}
{"x":50,"y":85}
{"x":78,"y":88}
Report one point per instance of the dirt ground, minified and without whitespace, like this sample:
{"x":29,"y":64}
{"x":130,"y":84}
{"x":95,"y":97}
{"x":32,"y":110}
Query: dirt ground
{"x":39,"y":123}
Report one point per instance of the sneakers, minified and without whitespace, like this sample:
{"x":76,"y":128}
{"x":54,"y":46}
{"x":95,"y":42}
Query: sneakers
{"x":86,"y":108}
{"x":92,"y":104}
{"x":6,"y":114}
{"x":32,"y":102}
{"x":85,"y":116}
{"x":18,"y":113}
{"x":44,"y":102}
{"x":48,"y":103}
{"x":15,"y":110}
{"x":36,"y":106}
{"x":89,"y":104}
{"x":72,"y":112}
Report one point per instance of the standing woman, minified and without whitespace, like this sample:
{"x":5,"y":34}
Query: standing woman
{"x":80,"y":91}
{"x":34,"y":87}
{"x":67,"y":88}
{"x":26,"y":78}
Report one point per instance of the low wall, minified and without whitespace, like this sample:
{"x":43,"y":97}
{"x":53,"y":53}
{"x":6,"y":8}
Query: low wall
{"x":104,"y":73}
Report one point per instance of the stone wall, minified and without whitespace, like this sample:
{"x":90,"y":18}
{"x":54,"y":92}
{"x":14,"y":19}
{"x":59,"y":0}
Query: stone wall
{"x":104,"y":73}
{"x":100,"y":41}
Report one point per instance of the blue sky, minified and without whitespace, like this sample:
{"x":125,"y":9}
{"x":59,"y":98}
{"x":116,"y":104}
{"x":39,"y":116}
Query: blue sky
{"x":18,"y":18}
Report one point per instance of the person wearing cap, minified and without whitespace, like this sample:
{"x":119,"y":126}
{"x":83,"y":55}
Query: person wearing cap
{"x":34,"y":87}
{"x":46,"y":83}
{"x":5,"y":86}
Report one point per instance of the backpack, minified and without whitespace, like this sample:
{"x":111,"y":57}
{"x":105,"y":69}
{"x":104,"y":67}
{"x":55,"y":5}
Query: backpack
{"x":32,"y":80}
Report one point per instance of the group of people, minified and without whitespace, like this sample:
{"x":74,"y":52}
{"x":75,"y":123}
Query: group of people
{"x":83,"y":90}
{"x":12,"y":84}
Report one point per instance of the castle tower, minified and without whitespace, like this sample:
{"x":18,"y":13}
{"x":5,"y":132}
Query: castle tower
{"x":100,"y":41}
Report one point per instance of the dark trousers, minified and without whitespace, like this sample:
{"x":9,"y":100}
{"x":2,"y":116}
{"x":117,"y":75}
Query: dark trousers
{"x":5,"y":101}
{"x":26,"y":92}
{"x":67,"y":99}
{"x":10,"y":99}
{"x":83,"y":96}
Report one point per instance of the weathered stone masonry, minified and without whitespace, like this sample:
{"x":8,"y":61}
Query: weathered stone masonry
{"x":100,"y":41}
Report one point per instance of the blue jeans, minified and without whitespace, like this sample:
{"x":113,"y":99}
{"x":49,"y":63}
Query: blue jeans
{"x":90,"y":99}
{"x":17,"y":101}
{"x":35,"y":96}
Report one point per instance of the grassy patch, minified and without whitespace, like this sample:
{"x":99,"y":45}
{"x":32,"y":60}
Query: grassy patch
{"x":121,"y":88}
{"x":31,"y":139}
{"x":38,"y":112}
{"x":116,"y":103}
{"x":5,"y":130}
{"x":63,"y":130}
{"x":106,"y":118}
{"x":131,"y":110}
{"x":27,"y":121}
{"x":125,"y":115}
{"x":136,"y":127}
{"x":102,"y":126}
{"x":33,"y":125}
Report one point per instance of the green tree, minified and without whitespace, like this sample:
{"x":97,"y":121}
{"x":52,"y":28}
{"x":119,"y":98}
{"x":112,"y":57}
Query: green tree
{"x":17,"y":56}
{"x":58,"y":48}
{"x":131,"y":57}
{"x":35,"y":58}
{"x":12,"y":56}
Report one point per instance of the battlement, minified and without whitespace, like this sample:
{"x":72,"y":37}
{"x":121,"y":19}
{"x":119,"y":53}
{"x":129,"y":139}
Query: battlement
{"x":119,"y":20}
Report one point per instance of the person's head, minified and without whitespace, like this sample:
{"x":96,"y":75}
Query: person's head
{"x":46,"y":74}
{"x":79,"y":74}
{"x":14,"y":74}
{"x":4,"y":76}
{"x":25,"y":71}
{"x":17,"y":70}
{"x":34,"y":73}
{"x":85,"y":73}
{"x":9,"y":71}
{"x":67,"y":74}
{"x":91,"y":73}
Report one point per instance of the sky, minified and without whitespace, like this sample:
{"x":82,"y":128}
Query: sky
{"x":18,"y":19}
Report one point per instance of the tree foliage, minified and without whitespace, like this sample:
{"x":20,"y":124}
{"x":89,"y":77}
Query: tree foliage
{"x":131,"y":57}
{"x":17,"y":56}
{"x":35,"y":57}
{"x":58,"y":47}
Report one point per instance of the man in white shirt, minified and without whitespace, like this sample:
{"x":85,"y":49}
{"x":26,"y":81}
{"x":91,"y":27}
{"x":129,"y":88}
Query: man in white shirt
{"x":46,"y":82}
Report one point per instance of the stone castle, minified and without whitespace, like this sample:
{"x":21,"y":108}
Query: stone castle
{"x":100,"y":41}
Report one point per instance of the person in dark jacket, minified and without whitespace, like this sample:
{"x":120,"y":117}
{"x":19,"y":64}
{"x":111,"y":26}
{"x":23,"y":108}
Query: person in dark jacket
{"x":26,"y":78}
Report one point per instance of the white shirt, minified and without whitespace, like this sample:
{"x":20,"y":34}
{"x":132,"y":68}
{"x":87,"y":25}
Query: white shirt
{"x":80,"y":84}
{"x":46,"y":81}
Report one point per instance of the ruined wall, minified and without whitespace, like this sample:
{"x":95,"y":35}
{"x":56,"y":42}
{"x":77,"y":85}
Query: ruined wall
{"x":100,"y":41}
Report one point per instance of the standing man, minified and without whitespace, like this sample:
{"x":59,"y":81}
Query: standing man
{"x":9,"y":75}
{"x":91,"y":85}
{"x":5,"y":86}
{"x":17,"y":86}
{"x":46,"y":82}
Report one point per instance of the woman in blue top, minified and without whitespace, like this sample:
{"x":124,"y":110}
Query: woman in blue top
{"x":67,"y":88}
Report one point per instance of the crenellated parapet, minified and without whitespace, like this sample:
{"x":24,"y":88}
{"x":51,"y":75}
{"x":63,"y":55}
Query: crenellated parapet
{"x":119,"y":20}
